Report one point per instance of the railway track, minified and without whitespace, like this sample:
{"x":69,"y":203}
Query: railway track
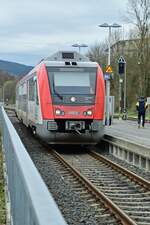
{"x":87,"y":191}
{"x":124,"y":194}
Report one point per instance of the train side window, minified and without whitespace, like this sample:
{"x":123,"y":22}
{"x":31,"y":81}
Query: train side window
{"x":36,"y":92}
{"x":19,"y":90}
{"x":17,"y":93}
{"x":31,"y":89}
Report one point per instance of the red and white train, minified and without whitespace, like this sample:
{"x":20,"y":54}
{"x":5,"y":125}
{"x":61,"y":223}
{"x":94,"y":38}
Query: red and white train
{"x":62,"y":99}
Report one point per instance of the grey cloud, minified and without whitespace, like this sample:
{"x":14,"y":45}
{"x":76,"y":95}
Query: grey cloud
{"x":33,"y":26}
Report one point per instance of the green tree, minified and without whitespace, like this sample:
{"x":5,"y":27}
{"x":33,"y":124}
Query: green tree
{"x":9,"y":90}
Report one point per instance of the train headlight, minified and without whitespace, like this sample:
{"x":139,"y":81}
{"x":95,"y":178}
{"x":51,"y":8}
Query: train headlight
{"x":58,"y":112}
{"x":89,"y":113}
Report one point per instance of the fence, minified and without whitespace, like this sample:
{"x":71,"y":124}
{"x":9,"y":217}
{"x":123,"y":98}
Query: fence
{"x":30,"y":201}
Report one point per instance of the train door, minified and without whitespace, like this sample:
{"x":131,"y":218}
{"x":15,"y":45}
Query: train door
{"x":25,"y":102}
{"x":22,"y":102}
{"x":31,"y":101}
{"x":27,"y":92}
{"x":36,"y":101}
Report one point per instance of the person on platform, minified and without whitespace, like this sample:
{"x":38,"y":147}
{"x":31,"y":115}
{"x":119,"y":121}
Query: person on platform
{"x":141,"y":107}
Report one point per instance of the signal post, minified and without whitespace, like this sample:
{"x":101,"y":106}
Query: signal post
{"x":108,"y":76}
{"x":122,"y":72}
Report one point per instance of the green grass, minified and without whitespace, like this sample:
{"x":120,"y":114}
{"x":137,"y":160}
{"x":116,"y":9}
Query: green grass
{"x":134,"y":114}
{"x":2,"y":194}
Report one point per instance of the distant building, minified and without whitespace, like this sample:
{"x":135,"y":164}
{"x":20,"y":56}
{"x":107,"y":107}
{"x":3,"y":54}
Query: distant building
{"x":125,"y":47}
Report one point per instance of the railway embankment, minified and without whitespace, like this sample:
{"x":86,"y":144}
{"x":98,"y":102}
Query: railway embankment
{"x":2,"y":192}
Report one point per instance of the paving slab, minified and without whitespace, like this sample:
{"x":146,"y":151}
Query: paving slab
{"x":128,"y":130}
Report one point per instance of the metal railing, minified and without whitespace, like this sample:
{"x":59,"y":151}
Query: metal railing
{"x":30,"y":201}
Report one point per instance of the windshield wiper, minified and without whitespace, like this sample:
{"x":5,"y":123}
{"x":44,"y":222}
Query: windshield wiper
{"x":60,"y":96}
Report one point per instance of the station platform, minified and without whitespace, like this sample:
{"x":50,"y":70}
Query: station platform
{"x":129,"y":143}
{"x":129,"y":130}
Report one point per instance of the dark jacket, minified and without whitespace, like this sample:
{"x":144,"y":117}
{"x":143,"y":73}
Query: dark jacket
{"x":141,"y":106}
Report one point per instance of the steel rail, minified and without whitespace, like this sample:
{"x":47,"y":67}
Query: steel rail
{"x":118,"y":213}
{"x":132,"y":176}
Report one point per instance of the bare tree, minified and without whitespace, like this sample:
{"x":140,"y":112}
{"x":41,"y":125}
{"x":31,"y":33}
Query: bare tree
{"x":139,"y":11}
{"x":97,"y":53}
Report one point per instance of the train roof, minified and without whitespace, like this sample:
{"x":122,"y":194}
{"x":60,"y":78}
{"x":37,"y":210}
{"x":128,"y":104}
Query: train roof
{"x":63,"y":58}
{"x":67,"y":55}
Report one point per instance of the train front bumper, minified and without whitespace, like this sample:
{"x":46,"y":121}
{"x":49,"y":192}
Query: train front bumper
{"x":73,"y":133}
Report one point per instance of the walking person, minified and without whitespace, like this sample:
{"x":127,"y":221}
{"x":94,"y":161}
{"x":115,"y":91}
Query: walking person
{"x":141,"y":107}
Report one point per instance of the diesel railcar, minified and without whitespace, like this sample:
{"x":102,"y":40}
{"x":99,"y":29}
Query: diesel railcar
{"x":62,"y":99}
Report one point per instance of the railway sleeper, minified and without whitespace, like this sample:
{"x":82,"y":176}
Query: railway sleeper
{"x":97,"y":207}
{"x":102,"y":216}
{"x":113,"y":185}
{"x":128,"y":195}
{"x":70,"y":180}
{"x":131,"y":199}
{"x":139,"y":213}
{"x":135,"y":207}
{"x":141,"y":219}
{"x":85,"y":195}
{"x":77,"y":189}
{"x":132,"y":203}
{"x":116,"y":191}
{"x":91,"y":200}
{"x":143,"y":223}
{"x":124,"y":188}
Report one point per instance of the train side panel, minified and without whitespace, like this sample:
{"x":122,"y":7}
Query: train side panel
{"x":100,"y":95}
{"x":27,"y":101}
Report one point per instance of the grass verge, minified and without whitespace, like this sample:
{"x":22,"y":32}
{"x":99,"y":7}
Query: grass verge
{"x":2,"y":193}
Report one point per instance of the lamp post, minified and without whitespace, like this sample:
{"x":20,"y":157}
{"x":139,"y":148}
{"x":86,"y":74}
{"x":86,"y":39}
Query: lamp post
{"x":80,"y":46}
{"x":106,"y":25}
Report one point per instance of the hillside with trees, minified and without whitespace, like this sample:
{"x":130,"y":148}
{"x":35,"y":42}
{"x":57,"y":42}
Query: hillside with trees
{"x":10,"y":73}
{"x":13,"y":68}
{"x":7,"y":87}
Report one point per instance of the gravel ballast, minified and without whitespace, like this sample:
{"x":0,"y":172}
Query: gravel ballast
{"x":73,"y":208}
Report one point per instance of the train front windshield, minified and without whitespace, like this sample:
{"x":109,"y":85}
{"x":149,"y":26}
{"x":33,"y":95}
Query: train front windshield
{"x":74,"y":82}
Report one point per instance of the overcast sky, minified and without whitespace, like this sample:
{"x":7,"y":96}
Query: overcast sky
{"x":32,"y":29}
